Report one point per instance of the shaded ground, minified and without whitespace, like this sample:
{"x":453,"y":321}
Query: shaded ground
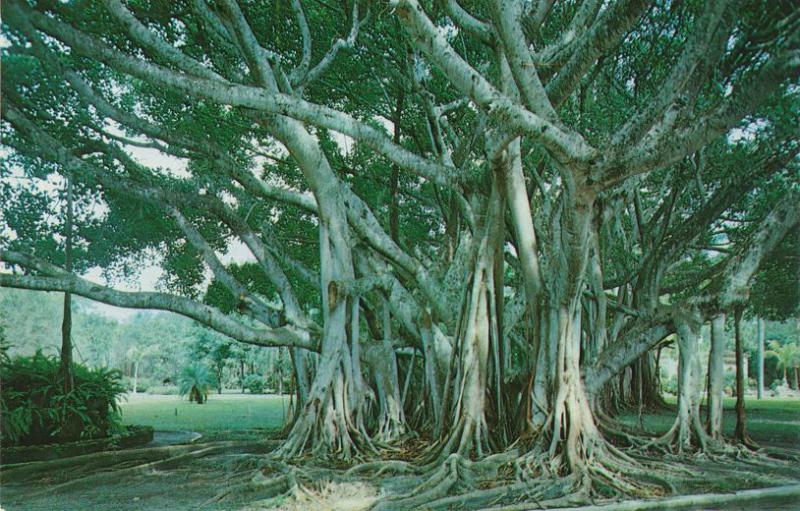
{"x":209,"y":468}
{"x":162,"y":438}
{"x":772,"y":421}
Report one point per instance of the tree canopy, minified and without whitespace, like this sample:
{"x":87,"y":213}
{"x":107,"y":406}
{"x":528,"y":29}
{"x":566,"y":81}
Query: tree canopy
{"x":531,"y":195}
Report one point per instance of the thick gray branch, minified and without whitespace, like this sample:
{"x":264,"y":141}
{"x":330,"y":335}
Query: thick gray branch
{"x":58,"y":280}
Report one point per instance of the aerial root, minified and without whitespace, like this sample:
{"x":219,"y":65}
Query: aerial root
{"x":445,"y":476}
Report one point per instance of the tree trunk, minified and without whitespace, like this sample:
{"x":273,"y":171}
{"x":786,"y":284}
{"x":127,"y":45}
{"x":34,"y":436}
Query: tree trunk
{"x":432,"y":374}
{"x":301,"y":374}
{"x":468,"y":431}
{"x":394,"y":198}
{"x":715,"y":376}
{"x":66,"y":324}
{"x":391,"y":419}
{"x":740,"y":434}
{"x":135,"y":376}
{"x":571,"y":443}
{"x":476,"y":333}
{"x":279,"y":370}
{"x":331,"y":421}
{"x":687,"y":430}
{"x":761,"y":336}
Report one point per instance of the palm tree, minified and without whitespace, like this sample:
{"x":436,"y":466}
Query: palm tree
{"x":788,"y":356}
{"x":196,"y":381}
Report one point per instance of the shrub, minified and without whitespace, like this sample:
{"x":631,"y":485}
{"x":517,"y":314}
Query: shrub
{"x":36,"y":410}
{"x":196,"y":381}
{"x":255,"y":383}
{"x":776,"y":383}
{"x":165,"y":390}
{"x":142,"y":385}
{"x":671,"y":385}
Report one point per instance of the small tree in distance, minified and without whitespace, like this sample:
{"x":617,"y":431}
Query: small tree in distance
{"x":196,"y":381}
{"x":787,"y":355}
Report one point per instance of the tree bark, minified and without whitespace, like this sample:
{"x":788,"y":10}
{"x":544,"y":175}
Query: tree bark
{"x":689,"y":426}
{"x":66,"y":324}
{"x":394,"y":207}
{"x":715,"y":380}
{"x":740,"y":434}
{"x":135,"y":376}
{"x":476,"y":334}
{"x":761,"y":336}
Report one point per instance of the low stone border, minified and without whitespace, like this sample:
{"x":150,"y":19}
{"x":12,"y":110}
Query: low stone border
{"x":134,"y":436}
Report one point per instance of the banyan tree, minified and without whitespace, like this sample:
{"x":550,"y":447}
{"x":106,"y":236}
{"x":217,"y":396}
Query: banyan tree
{"x":473,"y":224}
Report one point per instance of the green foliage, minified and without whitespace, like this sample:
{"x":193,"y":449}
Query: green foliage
{"x":671,"y":385}
{"x":4,"y":345}
{"x":729,"y":382}
{"x":255,"y":383}
{"x":787,"y":355}
{"x":36,"y":410}
{"x":163,"y":390}
{"x":196,"y":381}
{"x":143,"y":384}
{"x":775,"y":294}
{"x":214,"y":348}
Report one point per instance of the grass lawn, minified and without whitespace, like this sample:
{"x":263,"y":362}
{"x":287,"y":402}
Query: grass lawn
{"x":774,"y":421}
{"x":220,"y":415}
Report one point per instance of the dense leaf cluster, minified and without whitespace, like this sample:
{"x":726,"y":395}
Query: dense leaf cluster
{"x":36,"y":410}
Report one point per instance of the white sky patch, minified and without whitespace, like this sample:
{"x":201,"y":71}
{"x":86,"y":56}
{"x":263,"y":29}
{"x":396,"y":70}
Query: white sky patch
{"x":237,"y":253}
{"x":747,"y":133}
{"x":152,"y":158}
{"x":229,"y":200}
{"x":345,"y":143}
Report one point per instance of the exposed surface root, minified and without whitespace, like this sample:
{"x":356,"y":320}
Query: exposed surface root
{"x":77,"y":465}
{"x":455,"y":475}
{"x":162,"y":463}
{"x":378,"y":468}
{"x":331,"y":496}
{"x":606,"y":472}
{"x":245,"y":477}
{"x":683,"y":501}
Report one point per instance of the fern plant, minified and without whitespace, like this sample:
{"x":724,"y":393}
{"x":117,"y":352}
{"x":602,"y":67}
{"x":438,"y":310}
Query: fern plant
{"x":36,"y":410}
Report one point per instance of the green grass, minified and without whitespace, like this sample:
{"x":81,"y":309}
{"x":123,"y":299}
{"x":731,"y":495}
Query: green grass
{"x":773,"y":421}
{"x":226,"y":416}
{"x":221,"y":414}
